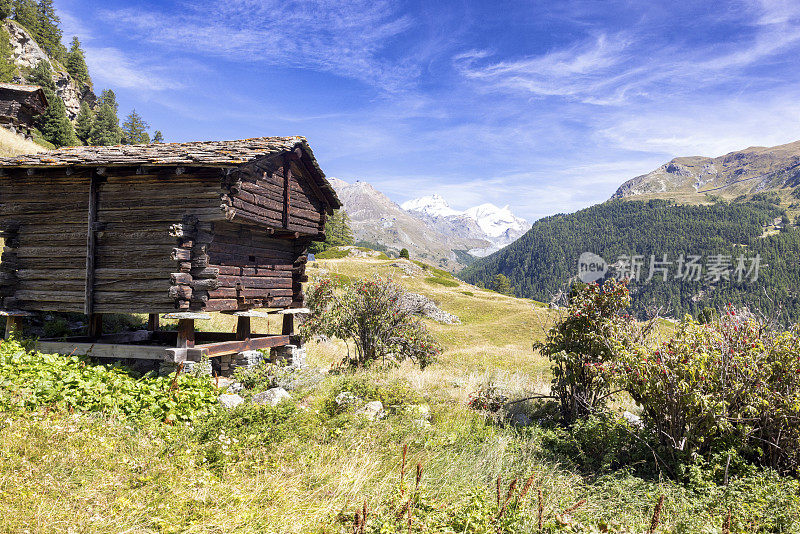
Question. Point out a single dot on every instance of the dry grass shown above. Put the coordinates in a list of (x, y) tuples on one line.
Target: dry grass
[(12, 144)]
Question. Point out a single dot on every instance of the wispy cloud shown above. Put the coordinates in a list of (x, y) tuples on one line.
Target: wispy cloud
[(615, 69), (345, 38), (112, 67)]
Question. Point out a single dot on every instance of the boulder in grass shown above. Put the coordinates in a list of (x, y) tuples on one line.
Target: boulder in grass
[(230, 400), (272, 396), (372, 410)]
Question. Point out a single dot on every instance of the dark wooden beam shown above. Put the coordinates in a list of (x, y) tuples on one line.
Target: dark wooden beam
[(95, 325), (91, 244), (152, 322), (288, 325), (287, 177), (242, 327), (185, 333), (301, 161)]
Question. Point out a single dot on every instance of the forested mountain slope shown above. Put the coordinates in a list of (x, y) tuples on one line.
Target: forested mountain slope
[(545, 260)]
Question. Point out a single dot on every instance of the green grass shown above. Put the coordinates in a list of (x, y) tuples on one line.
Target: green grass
[(447, 282), (306, 465)]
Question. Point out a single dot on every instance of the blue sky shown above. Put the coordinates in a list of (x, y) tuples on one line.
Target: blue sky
[(545, 105)]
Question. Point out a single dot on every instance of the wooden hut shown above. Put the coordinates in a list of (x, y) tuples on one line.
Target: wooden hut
[(178, 229), (19, 105)]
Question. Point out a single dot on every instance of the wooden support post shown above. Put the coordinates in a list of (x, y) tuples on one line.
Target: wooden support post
[(288, 325), (287, 177), (242, 328), (95, 329), (91, 244), (185, 333), (152, 322), (12, 323)]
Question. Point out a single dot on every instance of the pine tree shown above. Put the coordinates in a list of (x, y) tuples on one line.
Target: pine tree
[(134, 130), (404, 253), (76, 63), (501, 284), (6, 9), (26, 12), (84, 122), (109, 97), (42, 75), (7, 67), (158, 137), (337, 230), (54, 124), (50, 33), (105, 128)]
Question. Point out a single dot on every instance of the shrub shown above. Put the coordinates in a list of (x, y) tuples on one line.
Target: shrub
[(733, 383), (583, 347), (369, 313), (404, 253)]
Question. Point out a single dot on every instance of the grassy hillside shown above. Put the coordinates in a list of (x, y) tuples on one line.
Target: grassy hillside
[(302, 468), (545, 259)]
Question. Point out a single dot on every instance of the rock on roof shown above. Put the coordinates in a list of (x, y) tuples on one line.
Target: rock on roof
[(20, 87), (199, 154)]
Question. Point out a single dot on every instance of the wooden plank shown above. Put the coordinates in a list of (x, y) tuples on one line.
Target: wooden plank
[(152, 322), (103, 350), (91, 244), (233, 347)]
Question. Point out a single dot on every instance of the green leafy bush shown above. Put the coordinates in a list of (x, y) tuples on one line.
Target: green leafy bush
[(389, 392), (583, 347), (369, 313), (30, 380), (733, 383)]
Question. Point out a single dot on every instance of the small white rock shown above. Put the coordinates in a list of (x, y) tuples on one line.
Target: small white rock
[(372, 410), (272, 396), (230, 400)]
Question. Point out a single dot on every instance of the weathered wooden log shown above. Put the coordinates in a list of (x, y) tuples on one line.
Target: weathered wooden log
[(181, 254), (180, 292)]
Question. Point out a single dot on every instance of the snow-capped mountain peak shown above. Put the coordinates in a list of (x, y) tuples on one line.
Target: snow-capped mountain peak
[(497, 222), (433, 205)]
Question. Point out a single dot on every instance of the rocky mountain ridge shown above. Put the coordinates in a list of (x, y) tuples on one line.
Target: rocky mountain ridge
[(744, 172), (376, 220), (487, 222)]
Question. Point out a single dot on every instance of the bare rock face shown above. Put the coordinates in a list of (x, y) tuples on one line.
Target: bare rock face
[(27, 54)]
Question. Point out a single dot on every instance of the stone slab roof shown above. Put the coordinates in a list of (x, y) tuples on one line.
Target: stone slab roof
[(196, 154)]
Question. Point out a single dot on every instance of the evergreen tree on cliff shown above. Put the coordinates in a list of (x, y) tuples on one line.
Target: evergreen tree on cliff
[(105, 129), (40, 19), (56, 128), (42, 75), (76, 63), (6, 9), (134, 130), (7, 67), (84, 123)]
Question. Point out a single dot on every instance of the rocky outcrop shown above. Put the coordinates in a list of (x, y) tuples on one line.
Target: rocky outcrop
[(27, 54), (422, 305)]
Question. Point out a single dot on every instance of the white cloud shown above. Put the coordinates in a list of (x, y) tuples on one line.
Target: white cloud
[(344, 38), (615, 69), (112, 67)]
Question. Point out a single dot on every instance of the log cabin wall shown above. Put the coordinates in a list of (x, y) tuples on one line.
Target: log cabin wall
[(130, 229), (135, 244), (45, 223)]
